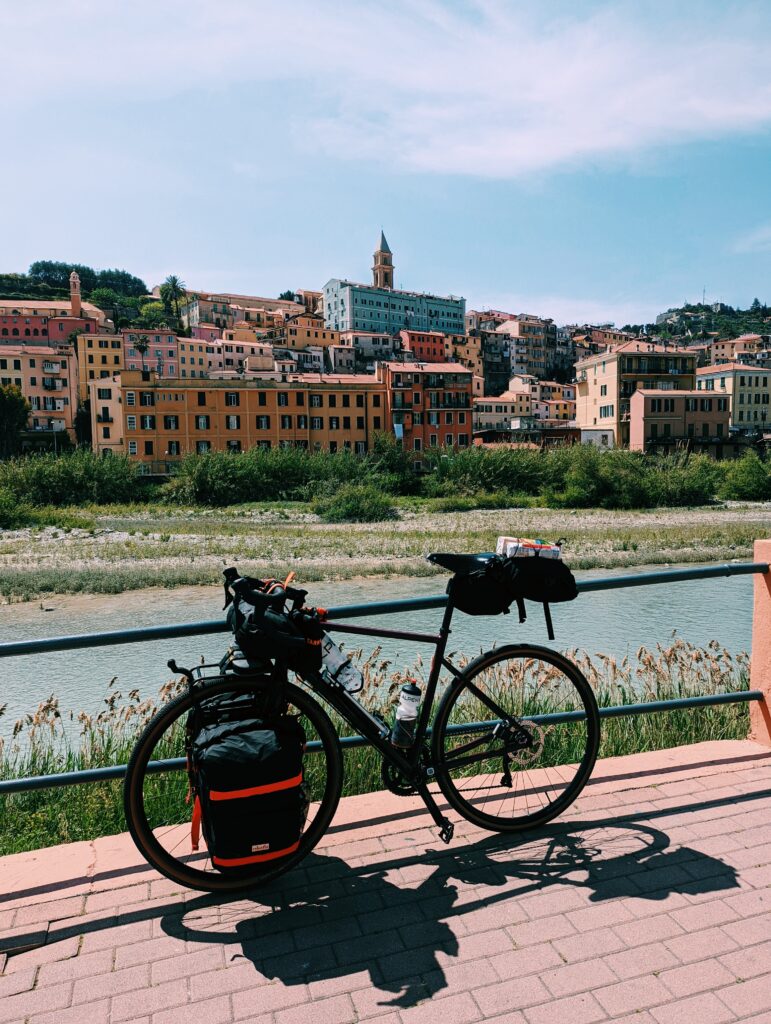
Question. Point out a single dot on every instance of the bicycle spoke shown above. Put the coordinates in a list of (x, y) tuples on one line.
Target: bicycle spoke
[(500, 787)]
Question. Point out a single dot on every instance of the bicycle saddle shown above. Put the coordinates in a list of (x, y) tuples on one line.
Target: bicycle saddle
[(461, 565)]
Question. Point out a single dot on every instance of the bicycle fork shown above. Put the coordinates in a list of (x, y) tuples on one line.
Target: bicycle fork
[(446, 827)]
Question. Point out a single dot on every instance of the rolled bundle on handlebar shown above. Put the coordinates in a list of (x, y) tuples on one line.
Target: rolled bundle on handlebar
[(262, 625)]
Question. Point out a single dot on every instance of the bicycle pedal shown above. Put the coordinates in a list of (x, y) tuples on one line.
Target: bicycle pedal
[(446, 832)]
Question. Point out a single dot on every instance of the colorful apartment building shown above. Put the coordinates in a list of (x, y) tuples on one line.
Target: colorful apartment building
[(427, 346), (156, 422), (748, 348), (605, 383), (662, 420), (224, 309), (467, 350), (48, 378), (302, 331), (232, 355), (747, 389), (99, 356), (499, 413), (206, 332), (429, 404), (533, 344), (161, 354)]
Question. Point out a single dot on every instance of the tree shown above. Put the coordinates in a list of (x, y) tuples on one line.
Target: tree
[(175, 289), (14, 413), (142, 344), (288, 294), (152, 315), (756, 306)]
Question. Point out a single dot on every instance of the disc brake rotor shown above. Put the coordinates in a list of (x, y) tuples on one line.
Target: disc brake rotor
[(526, 755)]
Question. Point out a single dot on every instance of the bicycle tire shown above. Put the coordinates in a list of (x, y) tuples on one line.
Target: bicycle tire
[(145, 832), (473, 794)]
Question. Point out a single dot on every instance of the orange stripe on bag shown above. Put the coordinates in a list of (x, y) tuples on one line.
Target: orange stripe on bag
[(195, 824), (271, 787), (237, 862)]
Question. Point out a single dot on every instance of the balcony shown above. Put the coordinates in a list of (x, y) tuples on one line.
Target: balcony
[(51, 367), (49, 384), (104, 419)]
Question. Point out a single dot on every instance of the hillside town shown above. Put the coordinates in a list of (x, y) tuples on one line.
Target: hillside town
[(332, 368)]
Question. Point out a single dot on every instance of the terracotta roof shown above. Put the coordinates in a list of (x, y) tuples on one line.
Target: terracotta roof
[(428, 367), (704, 371)]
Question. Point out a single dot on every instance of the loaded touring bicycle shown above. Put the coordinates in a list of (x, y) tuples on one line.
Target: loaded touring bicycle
[(236, 779)]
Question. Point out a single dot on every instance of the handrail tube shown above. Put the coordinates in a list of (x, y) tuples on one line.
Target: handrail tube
[(148, 633), (179, 763)]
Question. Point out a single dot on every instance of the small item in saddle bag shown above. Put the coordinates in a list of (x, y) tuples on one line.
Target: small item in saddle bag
[(524, 547)]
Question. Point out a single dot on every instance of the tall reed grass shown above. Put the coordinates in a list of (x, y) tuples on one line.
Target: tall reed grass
[(49, 741)]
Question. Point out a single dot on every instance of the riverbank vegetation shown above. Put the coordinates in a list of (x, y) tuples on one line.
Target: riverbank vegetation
[(44, 742), (580, 476), (79, 524)]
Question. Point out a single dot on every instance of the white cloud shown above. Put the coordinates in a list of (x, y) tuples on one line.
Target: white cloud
[(758, 240), (488, 88)]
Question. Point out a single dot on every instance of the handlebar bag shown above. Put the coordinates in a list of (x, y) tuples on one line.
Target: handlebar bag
[(246, 775), (264, 630)]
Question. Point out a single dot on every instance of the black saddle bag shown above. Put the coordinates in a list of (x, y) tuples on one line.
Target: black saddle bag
[(503, 581)]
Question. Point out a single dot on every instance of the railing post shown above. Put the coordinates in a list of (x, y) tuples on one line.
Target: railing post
[(760, 665)]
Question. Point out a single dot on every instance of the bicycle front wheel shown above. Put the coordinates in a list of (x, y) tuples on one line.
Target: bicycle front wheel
[(515, 738), (156, 799)]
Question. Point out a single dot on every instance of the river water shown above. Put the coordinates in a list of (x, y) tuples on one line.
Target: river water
[(614, 622)]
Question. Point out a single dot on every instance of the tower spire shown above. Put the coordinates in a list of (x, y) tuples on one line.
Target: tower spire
[(383, 268)]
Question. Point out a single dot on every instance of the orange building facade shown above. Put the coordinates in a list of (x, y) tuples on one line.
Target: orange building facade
[(429, 404), (157, 421)]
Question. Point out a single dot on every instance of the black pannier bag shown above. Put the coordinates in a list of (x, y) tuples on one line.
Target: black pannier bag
[(262, 627), (502, 581), (246, 775)]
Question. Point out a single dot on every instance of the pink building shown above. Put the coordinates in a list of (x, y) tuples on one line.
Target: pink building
[(48, 379), (206, 332), (23, 320), (664, 419), (162, 355)]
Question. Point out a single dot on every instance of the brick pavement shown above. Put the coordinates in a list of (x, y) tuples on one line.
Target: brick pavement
[(650, 902)]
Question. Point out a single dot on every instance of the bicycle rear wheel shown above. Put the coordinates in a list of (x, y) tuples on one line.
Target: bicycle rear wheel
[(156, 788), (515, 738)]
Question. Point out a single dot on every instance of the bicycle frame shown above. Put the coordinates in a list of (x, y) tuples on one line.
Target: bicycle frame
[(406, 760)]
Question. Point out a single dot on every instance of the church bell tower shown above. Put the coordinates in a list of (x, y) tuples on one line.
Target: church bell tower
[(383, 268), (75, 294)]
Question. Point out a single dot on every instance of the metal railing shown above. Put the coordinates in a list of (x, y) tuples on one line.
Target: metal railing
[(19, 648)]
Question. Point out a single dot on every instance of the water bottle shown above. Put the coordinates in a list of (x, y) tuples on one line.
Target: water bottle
[(336, 668), (406, 718)]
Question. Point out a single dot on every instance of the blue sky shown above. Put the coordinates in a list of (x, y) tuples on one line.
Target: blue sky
[(585, 161)]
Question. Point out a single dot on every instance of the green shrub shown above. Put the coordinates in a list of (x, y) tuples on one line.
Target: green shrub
[(75, 478), (685, 480), (355, 503), (13, 512), (746, 479)]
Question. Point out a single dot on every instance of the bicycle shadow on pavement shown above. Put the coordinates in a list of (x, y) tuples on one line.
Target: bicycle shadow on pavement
[(401, 920)]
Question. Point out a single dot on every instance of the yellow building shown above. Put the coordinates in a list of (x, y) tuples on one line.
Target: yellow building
[(99, 356), (747, 389), (303, 331), (606, 382), (497, 413)]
